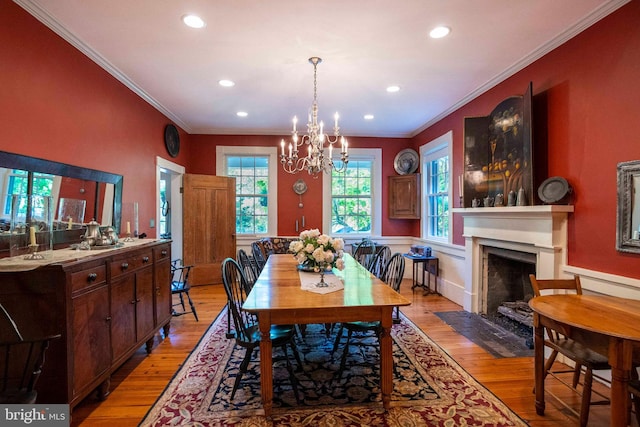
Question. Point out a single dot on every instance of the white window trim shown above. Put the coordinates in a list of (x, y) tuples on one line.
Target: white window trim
[(427, 151), (221, 154), (374, 154)]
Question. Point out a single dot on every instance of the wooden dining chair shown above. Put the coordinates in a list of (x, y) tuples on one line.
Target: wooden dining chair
[(585, 360), (392, 276), (247, 333), (21, 362), (259, 256), (365, 252), (249, 268), (379, 261), (180, 286)]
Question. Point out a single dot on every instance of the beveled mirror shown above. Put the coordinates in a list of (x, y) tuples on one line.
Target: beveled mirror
[(628, 227)]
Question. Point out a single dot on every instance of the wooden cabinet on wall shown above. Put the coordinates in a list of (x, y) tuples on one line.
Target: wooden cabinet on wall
[(404, 196), (106, 304)]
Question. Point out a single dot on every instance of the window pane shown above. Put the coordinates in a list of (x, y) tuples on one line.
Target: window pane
[(252, 192), (351, 198)]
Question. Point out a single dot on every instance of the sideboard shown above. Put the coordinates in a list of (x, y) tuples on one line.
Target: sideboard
[(104, 303)]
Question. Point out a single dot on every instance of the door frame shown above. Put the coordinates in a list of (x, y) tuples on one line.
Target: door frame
[(176, 172)]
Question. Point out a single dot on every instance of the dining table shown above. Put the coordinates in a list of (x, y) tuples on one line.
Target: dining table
[(607, 324), (280, 297)]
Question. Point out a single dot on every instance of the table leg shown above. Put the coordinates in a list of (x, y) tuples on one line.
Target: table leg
[(266, 363), (620, 359), (538, 341), (386, 357)]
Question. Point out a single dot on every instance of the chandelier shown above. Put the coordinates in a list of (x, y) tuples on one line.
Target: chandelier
[(314, 160)]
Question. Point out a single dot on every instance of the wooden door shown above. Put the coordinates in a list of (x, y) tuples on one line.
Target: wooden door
[(209, 225)]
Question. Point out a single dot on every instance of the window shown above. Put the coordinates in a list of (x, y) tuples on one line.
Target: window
[(255, 171), (436, 167), (355, 205), (351, 198), (17, 181)]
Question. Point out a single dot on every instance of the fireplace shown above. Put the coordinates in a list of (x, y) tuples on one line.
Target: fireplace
[(505, 283), (536, 235)]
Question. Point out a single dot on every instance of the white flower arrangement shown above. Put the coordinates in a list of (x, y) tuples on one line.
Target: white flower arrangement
[(318, 251)]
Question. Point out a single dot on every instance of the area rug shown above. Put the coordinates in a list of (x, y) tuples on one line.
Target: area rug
[(498, 341), (430, 388)]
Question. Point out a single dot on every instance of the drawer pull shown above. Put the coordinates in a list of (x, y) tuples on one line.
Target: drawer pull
[(125, 265), (91, 277), (133, 301), (108, 319), (164, 252), (145, 259)]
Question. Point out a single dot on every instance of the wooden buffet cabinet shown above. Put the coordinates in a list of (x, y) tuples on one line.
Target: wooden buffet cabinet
[(106, 304)]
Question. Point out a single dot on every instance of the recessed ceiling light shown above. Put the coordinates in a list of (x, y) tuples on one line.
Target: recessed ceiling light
[(368, 116), (226, 83), (242, 114), (439, 32), (393, 88), (193, 21)]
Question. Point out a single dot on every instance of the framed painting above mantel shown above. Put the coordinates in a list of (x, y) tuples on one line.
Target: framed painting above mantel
[(498, 154)]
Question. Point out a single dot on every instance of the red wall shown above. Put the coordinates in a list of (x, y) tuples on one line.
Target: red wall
[(203, 161), (57, 104), (587, 95)]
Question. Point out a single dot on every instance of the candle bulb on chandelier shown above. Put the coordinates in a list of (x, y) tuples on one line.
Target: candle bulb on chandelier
[(290, 148), (330, 151), (321, 129), (336, 116), (295, 120), (282, 146)]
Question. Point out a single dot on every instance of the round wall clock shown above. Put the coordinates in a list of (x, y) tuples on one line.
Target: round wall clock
[(172, 140)]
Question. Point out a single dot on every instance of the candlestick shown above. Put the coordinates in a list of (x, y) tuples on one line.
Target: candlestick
[(128, 227), (32, 236)]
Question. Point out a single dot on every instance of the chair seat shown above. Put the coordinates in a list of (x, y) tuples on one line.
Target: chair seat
[(580, 354), (362, 326), (177, 287), (278, 333)]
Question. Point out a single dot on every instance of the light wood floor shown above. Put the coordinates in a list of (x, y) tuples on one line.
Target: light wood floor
[(137, 384)]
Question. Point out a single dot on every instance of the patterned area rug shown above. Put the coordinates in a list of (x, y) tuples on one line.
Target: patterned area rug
[(430, 389)]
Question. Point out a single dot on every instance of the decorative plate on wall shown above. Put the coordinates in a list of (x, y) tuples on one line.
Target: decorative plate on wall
[(172, 140), (406, 161)]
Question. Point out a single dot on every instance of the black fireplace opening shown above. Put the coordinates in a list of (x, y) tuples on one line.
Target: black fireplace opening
[(507, 290)]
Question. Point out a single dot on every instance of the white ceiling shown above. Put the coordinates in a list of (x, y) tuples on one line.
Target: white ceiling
[(264, 45)]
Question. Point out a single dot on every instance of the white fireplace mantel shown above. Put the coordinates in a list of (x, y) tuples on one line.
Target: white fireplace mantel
[(541, 230)]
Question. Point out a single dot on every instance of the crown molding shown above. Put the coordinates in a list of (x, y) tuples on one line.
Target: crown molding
[(598, 14), (48, 20)]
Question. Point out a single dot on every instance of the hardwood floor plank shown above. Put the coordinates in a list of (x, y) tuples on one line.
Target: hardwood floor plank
[(138, 383)]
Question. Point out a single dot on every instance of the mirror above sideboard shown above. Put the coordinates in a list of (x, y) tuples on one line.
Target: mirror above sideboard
[(628, 227), (100, 192)]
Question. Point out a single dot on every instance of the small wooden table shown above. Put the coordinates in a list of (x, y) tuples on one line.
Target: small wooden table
[(609, 325), (429, 266), (277, 299)]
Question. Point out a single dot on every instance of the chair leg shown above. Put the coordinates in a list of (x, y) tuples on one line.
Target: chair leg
[(243, 368), (576, 375), (345, 352), (296, 354), (336, 343), (193, 308), (586, 398), (182, 301), (292, 375)]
